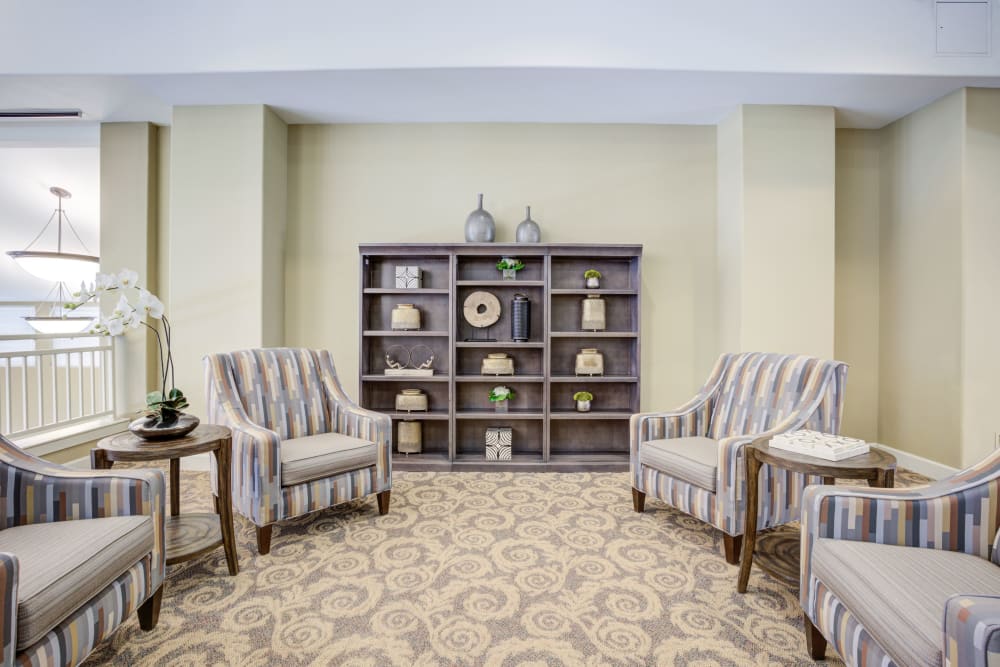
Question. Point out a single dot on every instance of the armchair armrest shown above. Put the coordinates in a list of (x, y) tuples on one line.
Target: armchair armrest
[(256, 454), (971, 630), (351, 419), (9, 570)]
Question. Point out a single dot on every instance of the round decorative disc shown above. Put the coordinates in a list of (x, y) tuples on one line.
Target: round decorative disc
[(482, 309)]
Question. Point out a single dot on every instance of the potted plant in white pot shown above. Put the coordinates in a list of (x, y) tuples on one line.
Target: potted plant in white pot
[(509, 266), (164, 416), (583, 399), (592, 278), (500, 396)]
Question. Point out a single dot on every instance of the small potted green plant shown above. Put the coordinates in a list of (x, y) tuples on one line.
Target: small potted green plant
[(509, 266), (583, 399), (499, 396), (593, 278)]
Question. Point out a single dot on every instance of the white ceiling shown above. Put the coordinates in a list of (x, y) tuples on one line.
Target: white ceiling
[(641, 61)]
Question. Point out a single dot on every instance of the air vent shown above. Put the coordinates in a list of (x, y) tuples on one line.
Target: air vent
[(22, 114)]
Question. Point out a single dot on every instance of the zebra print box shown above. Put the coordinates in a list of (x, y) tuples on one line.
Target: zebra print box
[(499, 443)]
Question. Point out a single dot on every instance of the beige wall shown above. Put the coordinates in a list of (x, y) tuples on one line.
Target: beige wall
[(653, 185), (776, 229), (129, 211), (920, 374), (980, 275), (857, 302), (219, 244)]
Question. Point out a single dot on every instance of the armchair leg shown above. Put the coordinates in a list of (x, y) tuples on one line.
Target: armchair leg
[(815, 641), (733, 544), (383, 502), (264, 539), (638, 499), (149, 611)]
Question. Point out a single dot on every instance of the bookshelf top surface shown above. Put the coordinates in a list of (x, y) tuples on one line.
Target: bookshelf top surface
[(525, 249)]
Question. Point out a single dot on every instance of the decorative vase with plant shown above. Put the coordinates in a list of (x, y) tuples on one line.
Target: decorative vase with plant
[(583, 399), (509, 266), (593, 278), (499, 396), (164, 415)]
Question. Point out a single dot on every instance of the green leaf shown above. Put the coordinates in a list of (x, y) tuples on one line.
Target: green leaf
[(153, 397), (175, 393)]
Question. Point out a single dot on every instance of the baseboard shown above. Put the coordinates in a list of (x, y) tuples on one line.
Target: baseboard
[(919, 464), (196, 463)]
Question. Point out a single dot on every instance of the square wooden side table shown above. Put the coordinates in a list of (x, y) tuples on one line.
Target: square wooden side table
[(187, 535)]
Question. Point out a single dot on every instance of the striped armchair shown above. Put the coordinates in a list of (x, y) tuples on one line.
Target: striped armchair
[(79, 552), (901, 577), (692, 458), (299, 443)]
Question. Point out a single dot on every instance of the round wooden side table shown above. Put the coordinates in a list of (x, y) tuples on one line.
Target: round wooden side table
[(877, 467), (187, 535)]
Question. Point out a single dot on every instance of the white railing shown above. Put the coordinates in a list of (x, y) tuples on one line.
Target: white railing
[(53, 381)]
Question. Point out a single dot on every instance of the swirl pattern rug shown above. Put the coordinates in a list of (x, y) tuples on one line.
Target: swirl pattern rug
[(472, 569)]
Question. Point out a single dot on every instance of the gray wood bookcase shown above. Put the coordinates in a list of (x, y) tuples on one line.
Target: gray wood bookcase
[(548, 433)]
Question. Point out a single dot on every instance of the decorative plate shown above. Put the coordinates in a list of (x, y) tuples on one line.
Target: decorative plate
[(482, 309)]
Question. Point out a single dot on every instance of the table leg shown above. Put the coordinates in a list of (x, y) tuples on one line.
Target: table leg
[(225, 504), (750, 522), (885, 478), (99, 459), (175, 487)]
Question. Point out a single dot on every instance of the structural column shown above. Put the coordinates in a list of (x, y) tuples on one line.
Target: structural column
[(226, 239), (129, 204), (775, 244)]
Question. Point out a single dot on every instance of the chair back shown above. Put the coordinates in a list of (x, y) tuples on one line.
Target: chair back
[(758, 390), (280, 388)]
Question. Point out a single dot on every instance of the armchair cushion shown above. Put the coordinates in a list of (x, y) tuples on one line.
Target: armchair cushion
[(899, 593), (55, 582), (694, 460), (317, 456)]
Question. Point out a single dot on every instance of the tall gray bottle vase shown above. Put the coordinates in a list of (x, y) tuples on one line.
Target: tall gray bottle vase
[(528, 231), (479, 226)]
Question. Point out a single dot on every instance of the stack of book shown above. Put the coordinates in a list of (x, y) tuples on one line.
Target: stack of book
[(821, 445)]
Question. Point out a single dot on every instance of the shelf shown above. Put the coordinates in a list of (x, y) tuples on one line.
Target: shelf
[(594, 458), (516, 459), (600, 292), (593, 414), (430, 415), (594, 334), (422, 461), (437, 377), (498, 344), (500, 283), (515, 413), (499, 378), (401, 290), (383, 333), (594, 378)]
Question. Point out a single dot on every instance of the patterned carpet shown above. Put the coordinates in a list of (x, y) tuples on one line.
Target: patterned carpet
[(472, 569)]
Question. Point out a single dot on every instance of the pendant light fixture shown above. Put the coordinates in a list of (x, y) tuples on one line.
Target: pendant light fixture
[(57, 322), (58, 266)]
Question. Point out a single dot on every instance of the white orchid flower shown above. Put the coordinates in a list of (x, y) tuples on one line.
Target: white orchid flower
[(105, 282), (115, 326), (127, 278), (149, 305), (122, 308)]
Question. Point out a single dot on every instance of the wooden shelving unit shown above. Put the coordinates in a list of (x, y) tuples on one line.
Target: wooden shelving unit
[(548, 433)]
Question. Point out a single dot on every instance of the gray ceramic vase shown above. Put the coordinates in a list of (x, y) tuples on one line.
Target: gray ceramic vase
[(479, 226), (528, 231)]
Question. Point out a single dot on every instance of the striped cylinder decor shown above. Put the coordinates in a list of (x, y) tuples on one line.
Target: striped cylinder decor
[(747, 396), (269, 395)]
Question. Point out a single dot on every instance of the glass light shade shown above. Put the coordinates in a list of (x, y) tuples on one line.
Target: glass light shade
[(58, 267), (59, 325)]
